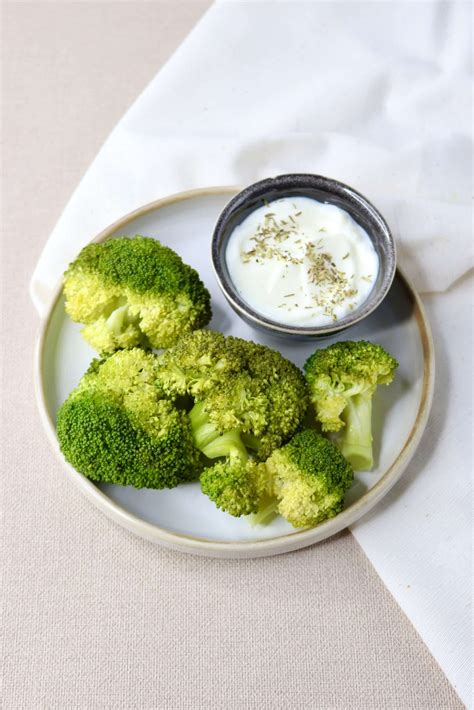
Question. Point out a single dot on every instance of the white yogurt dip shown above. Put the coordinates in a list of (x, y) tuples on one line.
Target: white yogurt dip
[(301, 262)]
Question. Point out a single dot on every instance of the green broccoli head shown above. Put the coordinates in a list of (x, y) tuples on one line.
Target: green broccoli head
[(115, 428), (310, 477), (248, 400), (198, 363), (235, 485), (238, 385), (342, 380), (134, 291)]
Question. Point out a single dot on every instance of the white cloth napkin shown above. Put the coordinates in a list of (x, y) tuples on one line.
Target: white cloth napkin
[(378, 96)]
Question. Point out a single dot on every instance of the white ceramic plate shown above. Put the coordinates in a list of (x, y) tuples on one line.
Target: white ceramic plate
[(183, 518)]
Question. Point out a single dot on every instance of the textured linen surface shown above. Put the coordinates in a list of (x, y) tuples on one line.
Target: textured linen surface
[(92, 616)]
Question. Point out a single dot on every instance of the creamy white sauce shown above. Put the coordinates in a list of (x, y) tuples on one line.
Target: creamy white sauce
[(301, 262)]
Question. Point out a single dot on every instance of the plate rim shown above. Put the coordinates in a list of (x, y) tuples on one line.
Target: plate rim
[(243, 549)]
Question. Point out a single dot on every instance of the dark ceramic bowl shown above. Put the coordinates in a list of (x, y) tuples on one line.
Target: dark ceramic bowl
[(322, 189)]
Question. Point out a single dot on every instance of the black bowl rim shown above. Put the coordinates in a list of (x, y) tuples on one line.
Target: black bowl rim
[(285, 181)]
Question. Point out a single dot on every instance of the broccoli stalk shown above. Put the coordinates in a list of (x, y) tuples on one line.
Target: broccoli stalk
[(227, 444), (356, 444), (342, 380), (268, 510), (120, 318), (210, 441)]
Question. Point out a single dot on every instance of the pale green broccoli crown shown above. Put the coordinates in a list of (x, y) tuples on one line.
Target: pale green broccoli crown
[(239, 403), (134, 291), (284, 386), (234, 485), (198, 363), (114, 427), (342, 380), (310, 477), (343, 370), (239, 385)]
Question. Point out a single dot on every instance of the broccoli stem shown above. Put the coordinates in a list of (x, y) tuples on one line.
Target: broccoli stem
[(204, 435), (356, 440), (250, 441), (198, 415), (210, 441), (268, 510), (228, 444), (119, 319), (203, 430)]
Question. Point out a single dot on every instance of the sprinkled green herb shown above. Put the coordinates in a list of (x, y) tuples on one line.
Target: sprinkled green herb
[(331, 286)]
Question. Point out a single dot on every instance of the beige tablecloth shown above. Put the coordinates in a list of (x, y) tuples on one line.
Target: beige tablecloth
[(94, 617)]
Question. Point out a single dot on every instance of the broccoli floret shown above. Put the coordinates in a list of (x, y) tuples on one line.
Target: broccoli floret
[(235, 485), (115, 428), (199, 362), (342, 380), (134, 291), (309, 477), (238, 385), (248, 400)]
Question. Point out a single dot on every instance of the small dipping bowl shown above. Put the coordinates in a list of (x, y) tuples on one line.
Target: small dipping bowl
[(322, 189)]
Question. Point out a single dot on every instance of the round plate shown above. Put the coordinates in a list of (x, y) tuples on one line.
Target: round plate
[(183, 518)]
